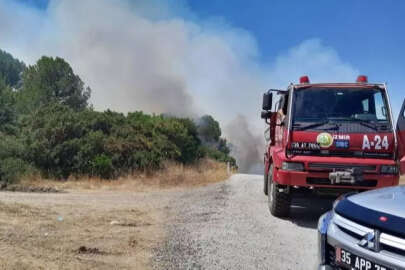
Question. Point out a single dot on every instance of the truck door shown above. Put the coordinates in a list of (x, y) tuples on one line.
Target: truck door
[(401, 137)]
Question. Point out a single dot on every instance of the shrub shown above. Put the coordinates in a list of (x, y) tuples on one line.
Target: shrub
[(46, 123), (11, 169), (61, 142), (218, 155), (102, 166)]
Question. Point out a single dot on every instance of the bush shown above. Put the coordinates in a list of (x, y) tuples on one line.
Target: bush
[(218, 155), (12, 159), (61, 141), (11, 169), (208, 129), (46, 123), (102, 166)]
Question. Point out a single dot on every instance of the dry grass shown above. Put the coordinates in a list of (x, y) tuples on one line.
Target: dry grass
[(73, 235), (98, 224), (172, 176)]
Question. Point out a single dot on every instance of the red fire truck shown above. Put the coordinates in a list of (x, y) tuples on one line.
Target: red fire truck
[(328, 139)]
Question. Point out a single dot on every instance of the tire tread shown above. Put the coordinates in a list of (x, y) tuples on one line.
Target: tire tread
[(280, 207)]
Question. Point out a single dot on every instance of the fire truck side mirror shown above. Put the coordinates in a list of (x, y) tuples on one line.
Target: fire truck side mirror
[(266, 114), (267, 101)]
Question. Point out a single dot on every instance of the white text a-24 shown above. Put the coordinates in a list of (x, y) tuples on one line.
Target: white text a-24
[(377, 143)]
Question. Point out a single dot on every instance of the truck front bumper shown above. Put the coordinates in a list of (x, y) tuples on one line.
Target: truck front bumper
[(319, 177)]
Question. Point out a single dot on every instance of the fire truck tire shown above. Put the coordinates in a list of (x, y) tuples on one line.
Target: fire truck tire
[(265, 182), (279, 202)]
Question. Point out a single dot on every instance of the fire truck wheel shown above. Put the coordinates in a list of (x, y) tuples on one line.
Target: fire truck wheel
[(279, 202), (265, 188)]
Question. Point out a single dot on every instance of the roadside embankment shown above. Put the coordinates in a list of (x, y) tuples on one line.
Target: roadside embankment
[(172, 175)]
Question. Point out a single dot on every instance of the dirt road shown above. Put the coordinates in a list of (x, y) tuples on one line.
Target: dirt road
[(220, 226), (228, 226)]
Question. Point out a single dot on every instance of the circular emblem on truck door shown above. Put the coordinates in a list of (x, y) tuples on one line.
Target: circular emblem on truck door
[(325, 140)]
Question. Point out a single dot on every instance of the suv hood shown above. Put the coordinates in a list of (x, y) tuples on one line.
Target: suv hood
[(388, 200), (369, 207)]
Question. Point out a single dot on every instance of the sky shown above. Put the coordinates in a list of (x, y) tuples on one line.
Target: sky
[(192, 57), (367, 34)]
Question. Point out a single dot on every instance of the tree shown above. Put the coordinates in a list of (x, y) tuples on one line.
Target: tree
[(52, 80), (223, 146), (10, 69), (7, 108), (208, 129)]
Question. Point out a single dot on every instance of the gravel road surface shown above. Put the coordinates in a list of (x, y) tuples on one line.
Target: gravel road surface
[(228, 226)]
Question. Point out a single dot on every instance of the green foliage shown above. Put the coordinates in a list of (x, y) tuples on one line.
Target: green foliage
[(47, 126), (209, 129), (11, 169), (214, 146), (13, 164), (102, 166), (8, 113), (218, 155), (10, 69), (63, 142), (223, 146), (52, 80), (183, 133)]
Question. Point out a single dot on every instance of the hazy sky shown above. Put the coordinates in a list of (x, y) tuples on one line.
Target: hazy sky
[(366, 34)]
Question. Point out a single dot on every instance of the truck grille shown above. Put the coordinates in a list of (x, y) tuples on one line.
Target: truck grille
[(387, 242), (326, 181), (334, 153), (338, 166)]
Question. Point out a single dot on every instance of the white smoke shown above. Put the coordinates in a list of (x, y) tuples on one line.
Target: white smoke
[(160, 58)]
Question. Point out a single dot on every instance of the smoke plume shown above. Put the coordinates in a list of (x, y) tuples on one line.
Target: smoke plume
[(159, 57), (247, 146)]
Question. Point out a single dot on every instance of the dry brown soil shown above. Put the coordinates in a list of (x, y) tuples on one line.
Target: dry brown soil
[(93, 224), (79, 230)]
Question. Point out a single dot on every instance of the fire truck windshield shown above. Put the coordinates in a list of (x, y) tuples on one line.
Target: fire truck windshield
[(366, 107)]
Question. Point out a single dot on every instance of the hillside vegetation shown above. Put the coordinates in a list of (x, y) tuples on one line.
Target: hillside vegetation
[(49, 128)]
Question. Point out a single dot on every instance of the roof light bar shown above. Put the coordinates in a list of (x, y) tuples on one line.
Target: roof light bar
[(304, 79), (362, 79)]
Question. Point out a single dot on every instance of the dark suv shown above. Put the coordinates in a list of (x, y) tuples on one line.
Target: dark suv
[(364, 231)]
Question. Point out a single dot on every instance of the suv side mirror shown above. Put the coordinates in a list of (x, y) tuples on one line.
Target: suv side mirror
[(267, 101)]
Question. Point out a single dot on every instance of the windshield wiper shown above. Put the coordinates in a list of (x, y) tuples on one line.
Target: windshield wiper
[(373, 125), (365, 123), (315, 125)]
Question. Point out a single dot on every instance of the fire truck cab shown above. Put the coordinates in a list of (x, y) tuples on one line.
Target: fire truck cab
[(328, 139)]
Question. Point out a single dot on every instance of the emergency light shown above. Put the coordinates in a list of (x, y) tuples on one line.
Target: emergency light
[(362, 79), (304, 79)]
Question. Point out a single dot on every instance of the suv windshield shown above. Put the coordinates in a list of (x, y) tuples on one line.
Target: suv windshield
[(334, 105)]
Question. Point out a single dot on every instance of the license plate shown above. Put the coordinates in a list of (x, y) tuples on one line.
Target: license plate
[(352, 261)]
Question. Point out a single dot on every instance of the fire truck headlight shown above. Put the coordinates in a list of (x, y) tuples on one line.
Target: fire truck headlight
[(389, 169), (293, 166)]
